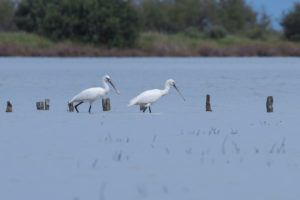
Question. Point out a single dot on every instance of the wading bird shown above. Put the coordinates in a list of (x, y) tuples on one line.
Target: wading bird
[(92, 94), (149, 97)]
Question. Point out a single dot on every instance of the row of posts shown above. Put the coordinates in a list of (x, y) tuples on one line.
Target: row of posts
[(269, 104), (40, 105), (45, 105), (105, 105)]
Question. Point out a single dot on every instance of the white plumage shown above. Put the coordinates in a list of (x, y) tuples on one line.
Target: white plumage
[(149, 97), (89, 95), (92, 94)]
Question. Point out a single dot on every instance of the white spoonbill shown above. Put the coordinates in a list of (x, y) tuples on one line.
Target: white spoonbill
[(149, 97), (92, 94)]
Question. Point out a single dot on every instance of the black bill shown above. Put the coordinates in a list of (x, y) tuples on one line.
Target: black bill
[(179, 92), (117, 91)]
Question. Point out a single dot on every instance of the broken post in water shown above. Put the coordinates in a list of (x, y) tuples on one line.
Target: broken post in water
[(9, 107), (40, 105), (106, 104), (71, 107), (208, 108), (269, 104), (47, 104), (142, 107)]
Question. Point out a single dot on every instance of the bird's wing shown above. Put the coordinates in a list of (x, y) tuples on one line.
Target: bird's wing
[(149, 96), (133, 101), (87, 95)]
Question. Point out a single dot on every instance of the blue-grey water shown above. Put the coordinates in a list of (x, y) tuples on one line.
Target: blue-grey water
[(238, 151), (228, 80)]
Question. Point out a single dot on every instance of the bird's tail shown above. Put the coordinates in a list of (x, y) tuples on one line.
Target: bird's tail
[(72, 100), (132, 102)]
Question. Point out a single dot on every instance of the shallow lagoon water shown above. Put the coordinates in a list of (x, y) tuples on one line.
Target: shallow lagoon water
[(179, 152)]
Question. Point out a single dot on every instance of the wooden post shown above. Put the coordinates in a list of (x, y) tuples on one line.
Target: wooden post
[(208, 108), (71, 107), (47, 104), (40, 105), (269, 104), (9, 107), (106, 104), (142, 107)]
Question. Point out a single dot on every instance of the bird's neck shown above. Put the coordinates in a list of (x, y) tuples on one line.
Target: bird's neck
[(106, 87), (166, 90)]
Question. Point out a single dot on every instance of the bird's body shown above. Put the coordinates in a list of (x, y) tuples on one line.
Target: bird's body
[(92, 94), (149, 97)]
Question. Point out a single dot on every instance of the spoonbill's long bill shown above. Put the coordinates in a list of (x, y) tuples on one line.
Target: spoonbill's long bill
[(92, 94), (149, 97)]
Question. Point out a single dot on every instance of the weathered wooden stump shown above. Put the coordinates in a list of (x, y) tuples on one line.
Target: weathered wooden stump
[(106, 104), (208, 108), (40, 105), (142, 107), (47, 104), (9, 107), (71, 107), (269, 104)]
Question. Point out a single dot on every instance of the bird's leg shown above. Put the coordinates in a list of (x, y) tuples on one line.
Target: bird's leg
[(90, 108), (78, 105), (149, 109), (145, 109)]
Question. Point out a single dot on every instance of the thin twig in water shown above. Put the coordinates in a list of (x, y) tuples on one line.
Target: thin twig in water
[(256, 150), (223, 145), (282, 146), (142, 191), (213, 131), (188, 151), (272, 148), (154, 138), (95, 163), (237, 149), (108, 138), (234, 132), (167, 150), (120, 156), (165, 189)]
